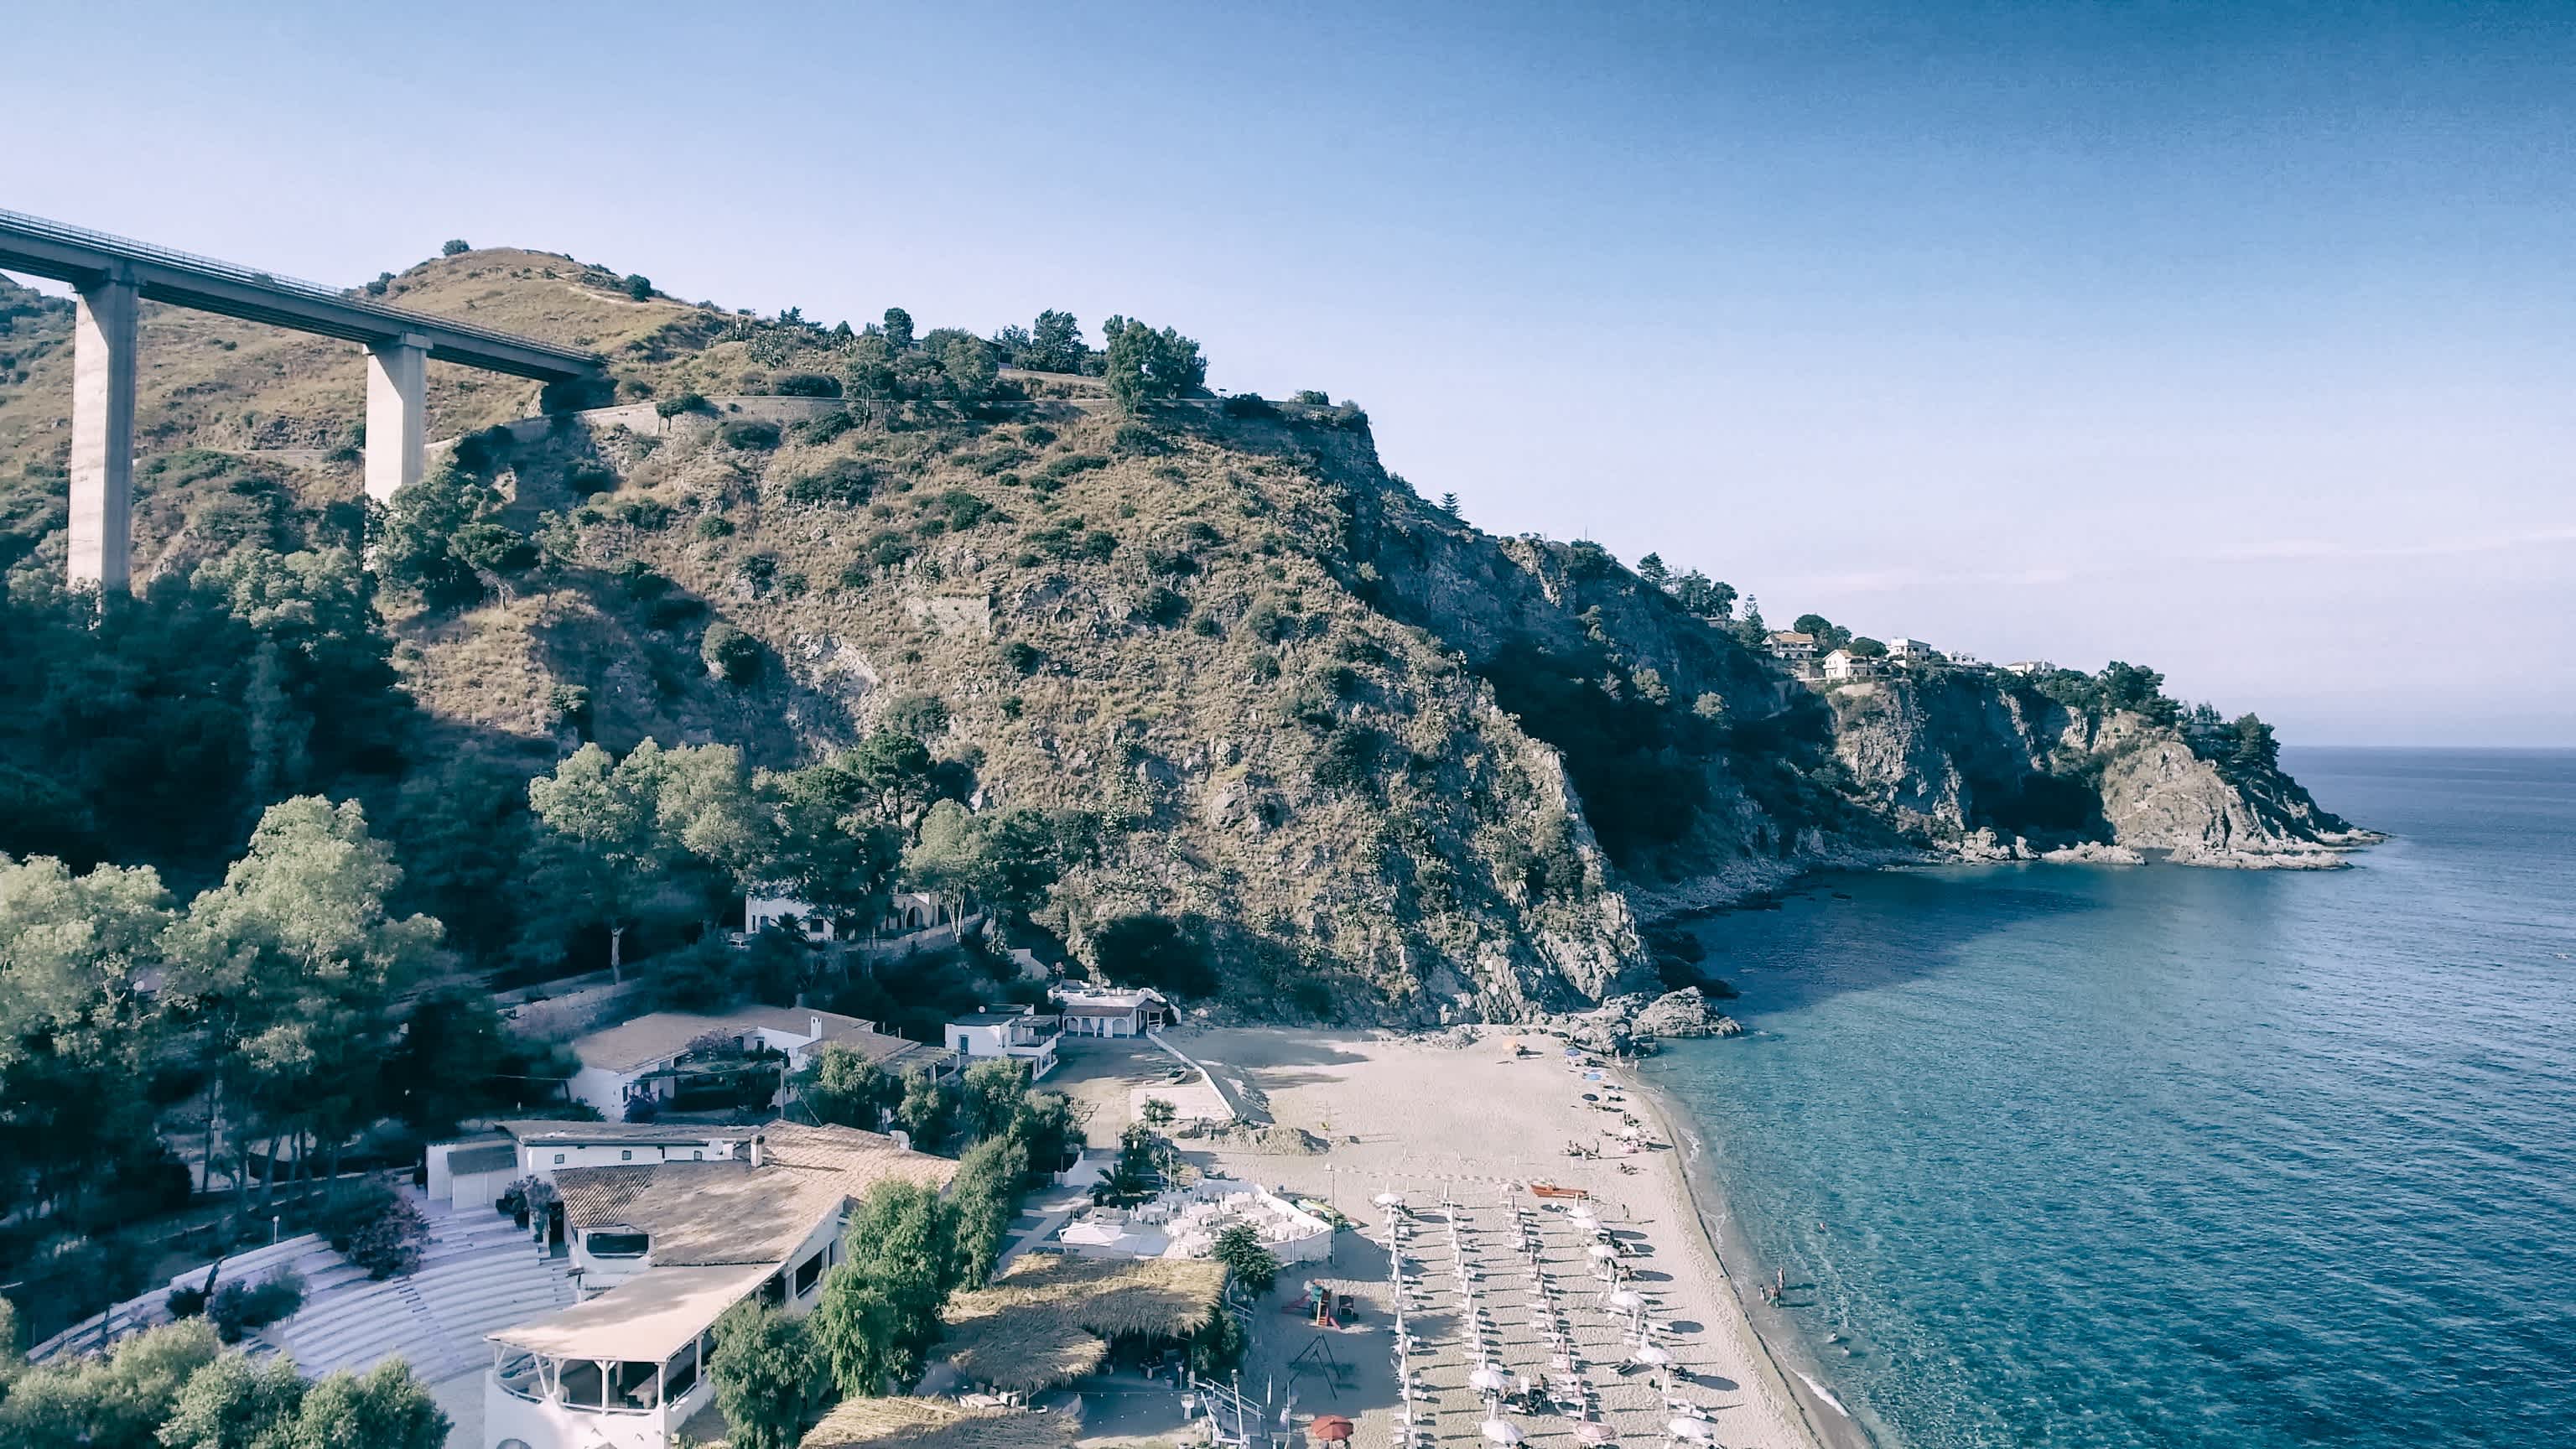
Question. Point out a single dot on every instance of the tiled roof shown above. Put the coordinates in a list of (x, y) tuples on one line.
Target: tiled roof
[(624, 1133), (659, 1035)]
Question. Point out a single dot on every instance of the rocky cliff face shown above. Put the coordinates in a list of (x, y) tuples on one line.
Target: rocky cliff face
[(1383, 764)]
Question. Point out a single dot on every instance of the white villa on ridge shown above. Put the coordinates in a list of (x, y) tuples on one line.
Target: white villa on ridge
[(662, 1249), (1017, 1032), (655, 1057), (1910, 651), (1844, 664)]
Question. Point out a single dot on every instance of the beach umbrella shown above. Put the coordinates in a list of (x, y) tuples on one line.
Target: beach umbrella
[(1593, 1433), (1651, 1355), (1388, 1199), (1331, 1428), (1500, 1432), (1626, 1300), (1489, 1379), (1698, 1431), (1603, 1251)]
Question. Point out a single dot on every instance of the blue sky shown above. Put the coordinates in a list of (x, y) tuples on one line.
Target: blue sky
[(2237, 339)]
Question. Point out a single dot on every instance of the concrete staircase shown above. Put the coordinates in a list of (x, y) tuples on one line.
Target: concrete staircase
[(479, 1273)]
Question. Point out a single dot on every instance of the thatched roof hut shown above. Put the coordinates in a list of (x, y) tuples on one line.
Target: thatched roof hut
[(930, 1424), (1053, 1318)]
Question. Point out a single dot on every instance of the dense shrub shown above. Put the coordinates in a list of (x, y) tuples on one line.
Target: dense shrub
[(1151, 950), (639, 287), (964, 510), (687, 402), (239, 1309), (585, 479), (731, 654), (750, 435), (1071, 464), (380, 1232), (1249, 405), (1022, 657), (648, 514), (806, 384), (455, 246), (843, 480), (714, 526)]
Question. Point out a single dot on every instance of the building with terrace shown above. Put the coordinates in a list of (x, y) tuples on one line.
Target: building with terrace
[(660, 1250), (1113, 1013), (1016, 1032), (685, 1060)]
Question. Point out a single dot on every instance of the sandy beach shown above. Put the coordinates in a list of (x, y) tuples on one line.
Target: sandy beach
[(1460, 1133)]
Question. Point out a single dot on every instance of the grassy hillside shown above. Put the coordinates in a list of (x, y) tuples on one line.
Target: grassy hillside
[(1376, 762)]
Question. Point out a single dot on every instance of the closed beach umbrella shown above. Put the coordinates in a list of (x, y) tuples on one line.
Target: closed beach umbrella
[(1500, 1432)]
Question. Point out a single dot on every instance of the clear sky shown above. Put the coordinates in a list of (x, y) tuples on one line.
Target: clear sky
[(2234, 338)]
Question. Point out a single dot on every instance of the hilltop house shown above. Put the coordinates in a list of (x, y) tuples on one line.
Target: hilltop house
[(663, 1249), (1113, 1013), (1843, 664), (1017, 1032), (2029, 667), (906, 912), (672, 1058), (1910, 651), (1793, 646)]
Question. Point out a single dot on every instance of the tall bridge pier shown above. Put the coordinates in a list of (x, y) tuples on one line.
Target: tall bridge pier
[(113, 276)]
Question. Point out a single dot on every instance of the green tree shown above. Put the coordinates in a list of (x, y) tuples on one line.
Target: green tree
[(927, 1111), (383, 1408), (950, 860), (73, 1026), (841, 1086), (968, 361), (660, 833), (116, 1402), (991, 1094), (1052, 344), (639, 287), (2255, 750), (1246, 1259), (880, 1308), (1651, 569), (233, 1403), (985, 1196), (1159, 1114), (768, 1376), (898, 328), (289, 971), (1146, 366), (2135, 687)]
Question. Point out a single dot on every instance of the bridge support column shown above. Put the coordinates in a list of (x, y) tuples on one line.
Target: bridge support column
[(397, 415), (102, 463)]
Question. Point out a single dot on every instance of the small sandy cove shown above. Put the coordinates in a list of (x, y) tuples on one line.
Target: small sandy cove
[(1460, 1132)]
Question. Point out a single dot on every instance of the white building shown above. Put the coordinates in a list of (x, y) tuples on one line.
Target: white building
[(2028, 667), (1792, 646), (475, 1172), (660, 1056), (1113, 1013), (1017, 1032), (1844, 664), (677, 1244), (786, 913), (1184, 1223), (1910, 651)]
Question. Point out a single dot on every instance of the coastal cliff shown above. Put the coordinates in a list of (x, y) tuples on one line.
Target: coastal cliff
[(1375, 763)]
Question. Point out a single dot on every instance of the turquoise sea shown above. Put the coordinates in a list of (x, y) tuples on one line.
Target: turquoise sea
[(2085, 1156)]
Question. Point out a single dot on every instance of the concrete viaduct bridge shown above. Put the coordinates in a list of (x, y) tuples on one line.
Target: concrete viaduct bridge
[(112, 276)]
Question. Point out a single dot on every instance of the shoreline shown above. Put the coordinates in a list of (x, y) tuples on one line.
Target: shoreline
[(1478, 1123), (1826, 1414)]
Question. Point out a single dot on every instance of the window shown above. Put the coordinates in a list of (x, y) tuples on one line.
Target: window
[(617, 1245), (808, 1273), (559, 1157), (698, 1155), (626, 1154)]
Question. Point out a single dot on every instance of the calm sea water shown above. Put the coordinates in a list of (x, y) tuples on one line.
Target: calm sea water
[(2154, 1157)]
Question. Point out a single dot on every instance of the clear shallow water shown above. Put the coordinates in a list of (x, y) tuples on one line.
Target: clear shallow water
[(2099, 1157)]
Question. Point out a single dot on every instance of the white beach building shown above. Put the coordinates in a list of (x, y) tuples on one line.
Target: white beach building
[(1843, 664), (1017, 1032), (1112, 1013), (676, 1244)]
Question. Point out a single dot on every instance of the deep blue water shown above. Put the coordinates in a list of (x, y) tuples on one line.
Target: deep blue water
[(2167, 1157)]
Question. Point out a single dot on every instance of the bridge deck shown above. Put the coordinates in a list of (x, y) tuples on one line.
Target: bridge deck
[(82, 257)]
